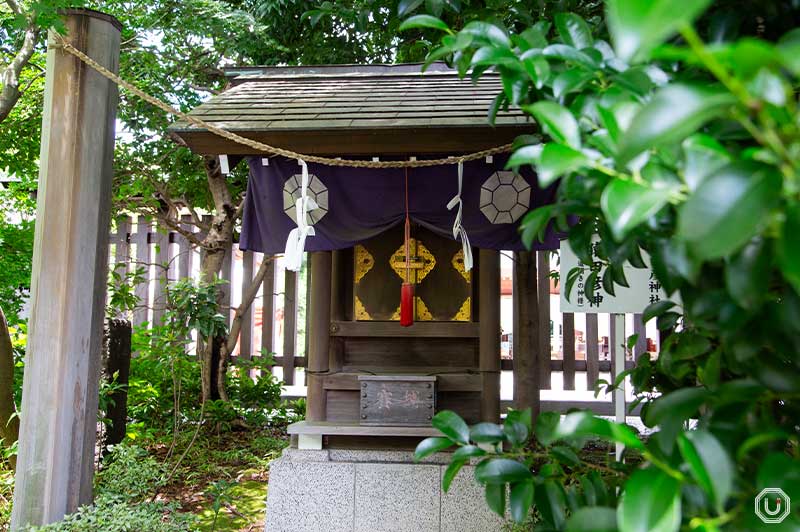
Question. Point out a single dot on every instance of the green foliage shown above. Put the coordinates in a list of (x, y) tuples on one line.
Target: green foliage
[(16, 257), (129, 473), (686, 154), (114, 515), (220, 494), (127, 479), (121, 289)]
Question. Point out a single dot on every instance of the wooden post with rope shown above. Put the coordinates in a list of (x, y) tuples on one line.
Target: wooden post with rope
[(70, 259)]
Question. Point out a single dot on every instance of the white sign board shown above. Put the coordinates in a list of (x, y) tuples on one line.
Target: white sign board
[(644, 287)]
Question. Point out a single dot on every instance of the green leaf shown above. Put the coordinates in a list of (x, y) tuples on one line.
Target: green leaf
[(557, 121), (537, 67), (451, 425), (488, 33), (549, 497), (429, 446), (570, 55), (534, 37), (500, 471), (703, 156), (486, 433), (546, 425), (678, 405), (627, 204), (435, 6), (635, 80), (570, 81), (450, 473), (525, 155), (779, 470), (728, 208), (593, 519), (515, 84), (637, 26), (582, 424), (494, 55), (534, 224), (521, 500), (788, 248), (770, 87), (468, 451), (749, 55), (675, 112), (789, 49), (557, 160), (747, 273), (651, 503), (407, 6), (709, 464), (565, 455), (573, 30), (496, 498), (424, 21), (516, 431)]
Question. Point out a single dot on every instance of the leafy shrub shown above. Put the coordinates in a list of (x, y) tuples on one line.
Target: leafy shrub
[(129, 473), (251, 384), (687, 153), (111, 514), (128, 478)]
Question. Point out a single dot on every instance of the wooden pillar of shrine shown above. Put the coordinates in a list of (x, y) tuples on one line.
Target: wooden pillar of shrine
[(319, 333), (489, 331), (526, 333), (70, 268)]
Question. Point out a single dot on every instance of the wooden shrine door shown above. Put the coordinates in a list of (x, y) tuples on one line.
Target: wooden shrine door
[(443, 289)]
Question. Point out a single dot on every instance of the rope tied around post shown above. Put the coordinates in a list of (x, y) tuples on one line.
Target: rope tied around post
[(61, 43)]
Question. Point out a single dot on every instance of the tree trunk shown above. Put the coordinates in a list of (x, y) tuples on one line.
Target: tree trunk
[(215, 245), (9, 422), (118, 361)]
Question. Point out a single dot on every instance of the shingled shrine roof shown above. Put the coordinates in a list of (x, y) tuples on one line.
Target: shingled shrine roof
[(351, 110)]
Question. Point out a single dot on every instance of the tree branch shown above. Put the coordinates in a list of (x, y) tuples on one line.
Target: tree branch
[(14, 7), (188, 235), (248, 296), (195, 217), (10, 76)]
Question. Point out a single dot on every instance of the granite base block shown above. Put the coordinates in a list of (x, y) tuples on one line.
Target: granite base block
[(365, 491)]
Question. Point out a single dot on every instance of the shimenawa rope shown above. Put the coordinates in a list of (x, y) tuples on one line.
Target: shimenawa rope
[(260, 146)]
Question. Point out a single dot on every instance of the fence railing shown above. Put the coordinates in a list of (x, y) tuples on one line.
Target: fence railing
[(579, 344)]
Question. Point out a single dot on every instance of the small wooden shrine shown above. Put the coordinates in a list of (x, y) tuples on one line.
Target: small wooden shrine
[(372, 384)]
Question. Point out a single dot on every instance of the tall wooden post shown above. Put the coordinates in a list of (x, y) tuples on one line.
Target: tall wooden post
[(70, 260), (526, 333), (318, 332), (489, 330)]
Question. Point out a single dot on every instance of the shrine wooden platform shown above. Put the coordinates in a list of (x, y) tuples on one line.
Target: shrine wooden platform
[(310, 433)]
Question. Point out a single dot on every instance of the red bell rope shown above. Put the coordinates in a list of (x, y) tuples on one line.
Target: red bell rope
[(407, 236), (407, 289)]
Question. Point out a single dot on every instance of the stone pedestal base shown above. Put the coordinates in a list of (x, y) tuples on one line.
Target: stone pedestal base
[(372, 491)]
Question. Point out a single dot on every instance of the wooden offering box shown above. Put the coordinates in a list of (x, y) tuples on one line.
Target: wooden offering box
[(397, 400)]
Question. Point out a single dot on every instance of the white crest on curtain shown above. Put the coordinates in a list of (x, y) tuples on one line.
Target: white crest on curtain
[(296, 243), (505, 197), (458, 230)]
